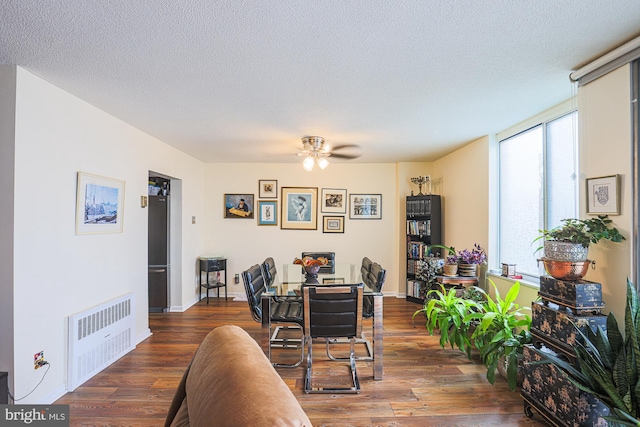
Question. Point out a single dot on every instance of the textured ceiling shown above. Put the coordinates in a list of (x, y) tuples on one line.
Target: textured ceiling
[(244, 80)]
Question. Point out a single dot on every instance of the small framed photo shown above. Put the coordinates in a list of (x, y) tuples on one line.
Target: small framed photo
[(365, 206), (99, 204), (238, 206), (333, 280), (333, 224), (333, 200), (267, 212), (603, 195), (268, 189), (299, 208)]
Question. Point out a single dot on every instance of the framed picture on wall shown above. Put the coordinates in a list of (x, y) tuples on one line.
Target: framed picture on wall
[(333, 224), (238, 206), (603, 195), (333, 200), (365, 206), (299, 208), (268, 188), (267, 212), (99, 204)]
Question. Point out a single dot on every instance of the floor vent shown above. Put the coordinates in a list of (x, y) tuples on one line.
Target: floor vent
[(98, 337)]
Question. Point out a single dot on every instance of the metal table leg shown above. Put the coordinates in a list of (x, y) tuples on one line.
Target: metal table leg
[(377, 337), (266, 325)]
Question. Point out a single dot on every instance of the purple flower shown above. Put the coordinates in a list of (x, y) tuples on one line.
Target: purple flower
[(475, 256)]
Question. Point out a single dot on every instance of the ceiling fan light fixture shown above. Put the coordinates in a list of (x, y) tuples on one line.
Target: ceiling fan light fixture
[(308, 163), (322, 162)]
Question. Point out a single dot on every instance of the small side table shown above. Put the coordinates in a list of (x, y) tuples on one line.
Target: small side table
[(211, 265)]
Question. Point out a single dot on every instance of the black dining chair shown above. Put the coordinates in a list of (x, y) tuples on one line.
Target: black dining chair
[(331, 312), (284, 311), (374, 278), (330, 268)]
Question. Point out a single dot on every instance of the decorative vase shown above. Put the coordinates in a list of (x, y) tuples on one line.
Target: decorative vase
[(562, 251), (450, 270), (468, 270)]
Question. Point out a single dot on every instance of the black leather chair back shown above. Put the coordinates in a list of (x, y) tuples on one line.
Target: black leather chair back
[(377, 275), (269, 271), (254, 288), (333, 311), (330, 268), (365, 268)]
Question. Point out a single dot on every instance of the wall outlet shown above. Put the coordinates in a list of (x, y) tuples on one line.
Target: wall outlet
[(38, 360), (236, 279)]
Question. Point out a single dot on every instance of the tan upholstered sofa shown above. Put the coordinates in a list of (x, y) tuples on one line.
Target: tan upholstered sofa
[(230, 382)]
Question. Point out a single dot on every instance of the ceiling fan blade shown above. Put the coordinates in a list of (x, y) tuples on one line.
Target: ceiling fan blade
[(340, 147), (344, 156)]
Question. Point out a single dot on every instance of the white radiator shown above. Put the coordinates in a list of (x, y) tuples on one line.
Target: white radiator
[(98, 337)]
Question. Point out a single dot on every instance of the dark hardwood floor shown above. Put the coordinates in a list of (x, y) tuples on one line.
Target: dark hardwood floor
[(423, 384)]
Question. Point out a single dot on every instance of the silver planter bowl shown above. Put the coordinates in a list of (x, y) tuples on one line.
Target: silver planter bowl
[(561, 251)]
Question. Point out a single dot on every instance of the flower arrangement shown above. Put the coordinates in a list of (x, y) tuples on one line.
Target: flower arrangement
[(451, 259), (477, 255), (427, 269)]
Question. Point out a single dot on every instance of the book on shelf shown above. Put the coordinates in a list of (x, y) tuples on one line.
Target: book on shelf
[(419, 227)]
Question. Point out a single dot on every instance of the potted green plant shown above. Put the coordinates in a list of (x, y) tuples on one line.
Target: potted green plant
[(570, 241), (609, 364), (447, 311), (469, 260), (502, 332)]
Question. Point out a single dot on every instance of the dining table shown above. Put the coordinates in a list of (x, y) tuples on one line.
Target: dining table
[(289, 282)]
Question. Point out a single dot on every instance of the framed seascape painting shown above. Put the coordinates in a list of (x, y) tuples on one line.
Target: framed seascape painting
[(268, 188), (603, 195), (365, 206), (333, 200), (267, 212), (238, 206), (333, 224), (299, 208), (99, 204)]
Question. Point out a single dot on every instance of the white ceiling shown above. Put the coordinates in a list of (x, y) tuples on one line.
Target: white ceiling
[(244, 80)]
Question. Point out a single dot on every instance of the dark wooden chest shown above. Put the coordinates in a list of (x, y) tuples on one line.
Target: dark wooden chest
[(553, 325), (547, 389), (579, 295)]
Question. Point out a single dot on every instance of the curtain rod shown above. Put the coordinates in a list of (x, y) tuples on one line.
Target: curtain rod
[(605, 59)]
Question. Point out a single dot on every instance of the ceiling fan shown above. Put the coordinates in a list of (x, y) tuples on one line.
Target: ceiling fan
[(315, 151)]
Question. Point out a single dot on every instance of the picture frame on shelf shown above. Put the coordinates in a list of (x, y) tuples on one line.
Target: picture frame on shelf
[(267, 212), (99, 204), (603, 195), (365, 206), (238, 206), (299, 208), (333, 200), (333, 224), (268, 188)]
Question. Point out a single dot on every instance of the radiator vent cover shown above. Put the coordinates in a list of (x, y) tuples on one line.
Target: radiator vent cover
[(98, 337)]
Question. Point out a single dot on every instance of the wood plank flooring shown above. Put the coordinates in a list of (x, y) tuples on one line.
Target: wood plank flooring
[(423, 384)]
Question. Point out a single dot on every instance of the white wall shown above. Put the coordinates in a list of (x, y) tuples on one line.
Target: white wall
[(244, 243), (7, 151), (604, 114), (58, 273), (462, 178)]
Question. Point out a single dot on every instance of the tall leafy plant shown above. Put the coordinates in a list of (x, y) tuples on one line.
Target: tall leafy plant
[(502, 332), (447, 312), (609, 364)]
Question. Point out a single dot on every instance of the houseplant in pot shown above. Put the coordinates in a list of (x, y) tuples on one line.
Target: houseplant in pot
[(447, 311), (469, 260), (502, 333), (566, 247), (570, 241)]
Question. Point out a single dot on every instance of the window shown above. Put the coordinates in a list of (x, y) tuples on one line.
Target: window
[(538, 188)]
